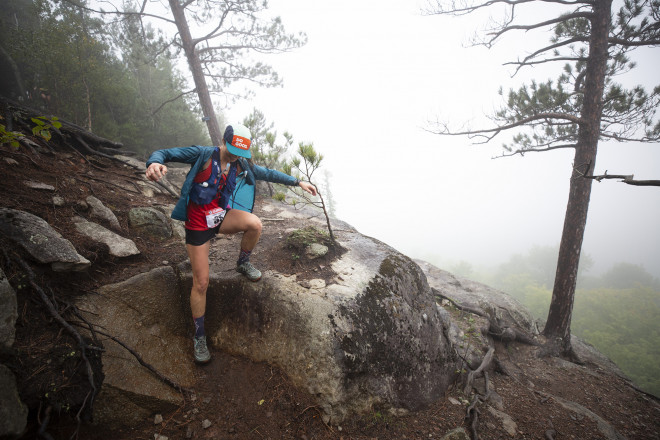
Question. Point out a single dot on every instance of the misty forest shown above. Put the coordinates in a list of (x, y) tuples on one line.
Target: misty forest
[(109, 69)]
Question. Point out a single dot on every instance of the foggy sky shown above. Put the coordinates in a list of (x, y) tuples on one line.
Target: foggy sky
[(365, 86)]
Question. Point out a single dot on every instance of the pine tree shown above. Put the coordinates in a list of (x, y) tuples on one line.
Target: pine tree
[(581, 107)]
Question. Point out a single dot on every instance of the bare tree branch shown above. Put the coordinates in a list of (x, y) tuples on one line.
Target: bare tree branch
[(496, 130), (172, 100), (549, 60), (559, 19), (535, 150), (629, 179)]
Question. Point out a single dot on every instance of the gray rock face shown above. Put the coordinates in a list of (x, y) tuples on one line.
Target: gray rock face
[(374, 337), (117, 245), (42, 242), (495, 303), (102, 212), (145, 312), (13, 413), (150, 221), (8, 312), (468, 332)]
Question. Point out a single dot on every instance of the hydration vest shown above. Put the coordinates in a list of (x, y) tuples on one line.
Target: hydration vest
[(203, 193)]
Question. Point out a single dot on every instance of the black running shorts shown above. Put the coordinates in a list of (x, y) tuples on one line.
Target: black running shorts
[(198, 238)]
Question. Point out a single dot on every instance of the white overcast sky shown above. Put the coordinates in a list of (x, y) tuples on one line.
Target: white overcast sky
[(362, 90)]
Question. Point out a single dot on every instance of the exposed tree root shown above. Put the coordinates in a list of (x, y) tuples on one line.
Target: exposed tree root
[(84, 347), (52, 306), (42, 433), (495, 329), (472, 412), (473, 374), (137, 356)]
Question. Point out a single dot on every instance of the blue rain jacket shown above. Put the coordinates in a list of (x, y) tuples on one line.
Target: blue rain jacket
[(243, 195)]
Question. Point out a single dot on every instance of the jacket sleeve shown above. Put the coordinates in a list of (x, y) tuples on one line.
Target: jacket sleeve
[(273, 176), (187, 155)]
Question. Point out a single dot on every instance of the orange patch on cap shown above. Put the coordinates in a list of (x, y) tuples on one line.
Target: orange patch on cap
[(241, 142)]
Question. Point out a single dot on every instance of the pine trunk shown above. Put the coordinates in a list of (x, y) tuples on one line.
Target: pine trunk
[(558, 325), (196, 69)]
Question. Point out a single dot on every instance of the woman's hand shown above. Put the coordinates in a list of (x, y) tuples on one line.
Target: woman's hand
[(156, 171), (306, 186)]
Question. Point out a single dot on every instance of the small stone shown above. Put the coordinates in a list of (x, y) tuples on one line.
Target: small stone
[(165, 262), (206, 424), (189, 432), (38, 185), (316, 250), (10, 161), (195, 411), (158, 419), (160, 437), (58, 201)]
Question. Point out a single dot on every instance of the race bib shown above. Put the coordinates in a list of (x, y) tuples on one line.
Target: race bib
[(214, 217)]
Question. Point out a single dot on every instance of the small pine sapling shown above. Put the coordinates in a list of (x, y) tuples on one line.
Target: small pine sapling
[(303, 167)]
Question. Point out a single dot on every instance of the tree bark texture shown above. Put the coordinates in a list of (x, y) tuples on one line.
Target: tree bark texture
[(195, 64), (558, 325)]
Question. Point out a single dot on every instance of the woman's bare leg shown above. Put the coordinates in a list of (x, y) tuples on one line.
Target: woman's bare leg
[(199, 260)]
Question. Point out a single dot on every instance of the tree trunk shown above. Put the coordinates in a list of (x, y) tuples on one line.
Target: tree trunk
[(558, 325), (196, 69), (21, 92)]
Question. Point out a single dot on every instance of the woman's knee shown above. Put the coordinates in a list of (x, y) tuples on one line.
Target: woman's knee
[(200, 285), (254, 224)]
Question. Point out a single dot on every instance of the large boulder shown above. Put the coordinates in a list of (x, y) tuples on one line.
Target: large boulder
[(476, 312), (43, 243), (374, 337), (145, 312), (498, 305)]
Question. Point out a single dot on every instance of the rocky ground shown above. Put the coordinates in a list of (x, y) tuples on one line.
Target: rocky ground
[(530, 397)]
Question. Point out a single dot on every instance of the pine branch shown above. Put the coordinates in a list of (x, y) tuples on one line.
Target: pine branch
[(117, 11), (512, 3), (444, 130), (629, 43)]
